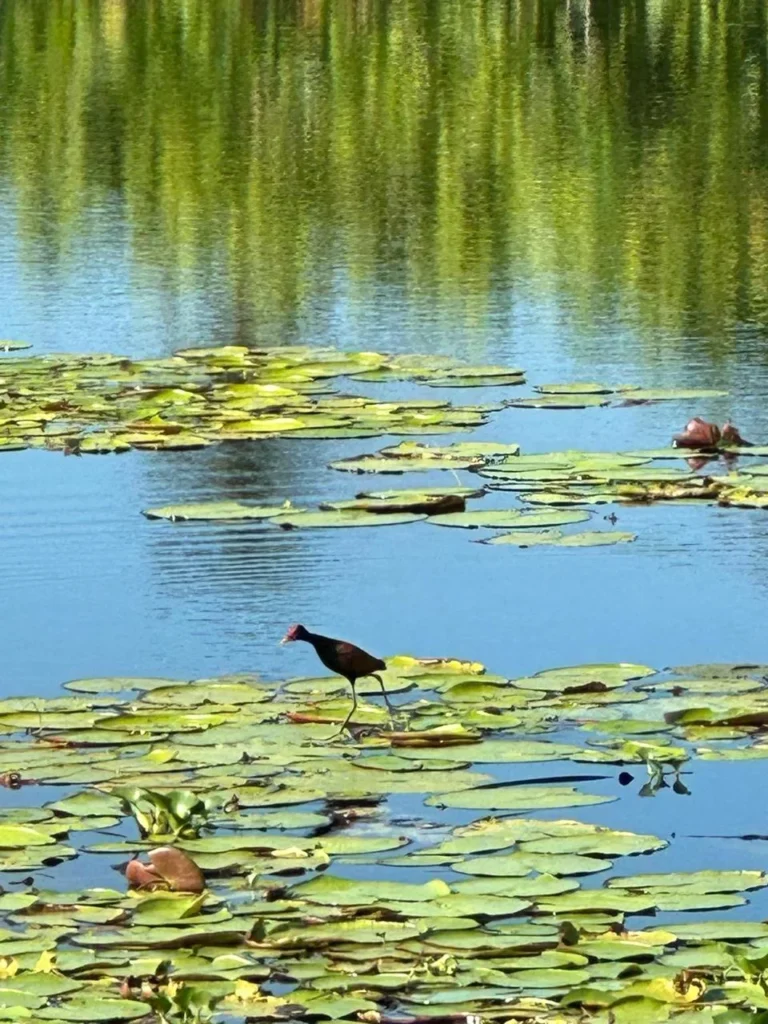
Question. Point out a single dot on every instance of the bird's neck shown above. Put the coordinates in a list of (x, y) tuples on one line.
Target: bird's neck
[(316, 639)]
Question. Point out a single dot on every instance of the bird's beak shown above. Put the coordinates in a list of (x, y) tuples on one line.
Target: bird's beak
[(285, 640)]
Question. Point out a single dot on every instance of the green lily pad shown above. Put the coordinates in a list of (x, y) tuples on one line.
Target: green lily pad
[(209, 692), (380, 464), (589, 538), (670, 394), (118, 684), (500, 752), (525, 538), (575, 388), (613, 948), (343, 518), (702, 881), (470, 381), (523, 862), (577, 676), (410, 494), (94, 1007), (337, 891), (685, 900), (461, 450), (34, 857), (498, 519), (514, 885), (719, 931), (602, 842), (518, 798), (561, 401), (721, 670), (21, 836), (212, 510)]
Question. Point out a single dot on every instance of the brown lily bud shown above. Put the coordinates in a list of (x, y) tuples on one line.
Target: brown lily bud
[(731, 435), (178, 870), (698, 434), (141, 876)]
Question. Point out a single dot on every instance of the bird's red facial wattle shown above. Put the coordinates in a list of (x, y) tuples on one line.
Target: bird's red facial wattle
[(294, 633)]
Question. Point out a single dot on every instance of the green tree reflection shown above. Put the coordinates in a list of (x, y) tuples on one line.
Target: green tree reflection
[(615, 151)]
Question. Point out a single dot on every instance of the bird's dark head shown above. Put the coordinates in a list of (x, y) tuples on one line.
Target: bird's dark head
[(297, 632)]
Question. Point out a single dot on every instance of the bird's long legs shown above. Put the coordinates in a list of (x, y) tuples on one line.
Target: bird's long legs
[(390, 706), (384, 694), (353, 709)]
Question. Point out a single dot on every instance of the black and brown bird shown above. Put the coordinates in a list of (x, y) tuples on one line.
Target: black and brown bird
[(344, 659)]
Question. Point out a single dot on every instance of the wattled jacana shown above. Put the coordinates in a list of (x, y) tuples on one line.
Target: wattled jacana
[(344, 659)]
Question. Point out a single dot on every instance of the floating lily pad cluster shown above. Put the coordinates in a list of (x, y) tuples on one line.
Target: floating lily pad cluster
[(588, 478), (98, 404), (588, 394), (251, 782), (548, 489), (582, 478)]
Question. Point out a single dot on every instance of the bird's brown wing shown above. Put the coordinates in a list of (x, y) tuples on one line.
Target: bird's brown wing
[(356, 660)]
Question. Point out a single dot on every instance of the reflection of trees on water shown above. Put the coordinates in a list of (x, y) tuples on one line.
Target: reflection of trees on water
[(612, 151)]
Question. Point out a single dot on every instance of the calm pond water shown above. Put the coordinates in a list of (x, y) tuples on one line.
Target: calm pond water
[(579, 189)]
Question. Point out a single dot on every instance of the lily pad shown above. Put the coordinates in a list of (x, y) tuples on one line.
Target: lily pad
[(502, 518), (589, 538), (522, 863), (603, 842), (407, 494), (565, 400), (95, 1007), (706, 881), (216, 510), (21, 836), (575, 388), (344, 518), (380, 464), (518, 798), (637, 395)]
